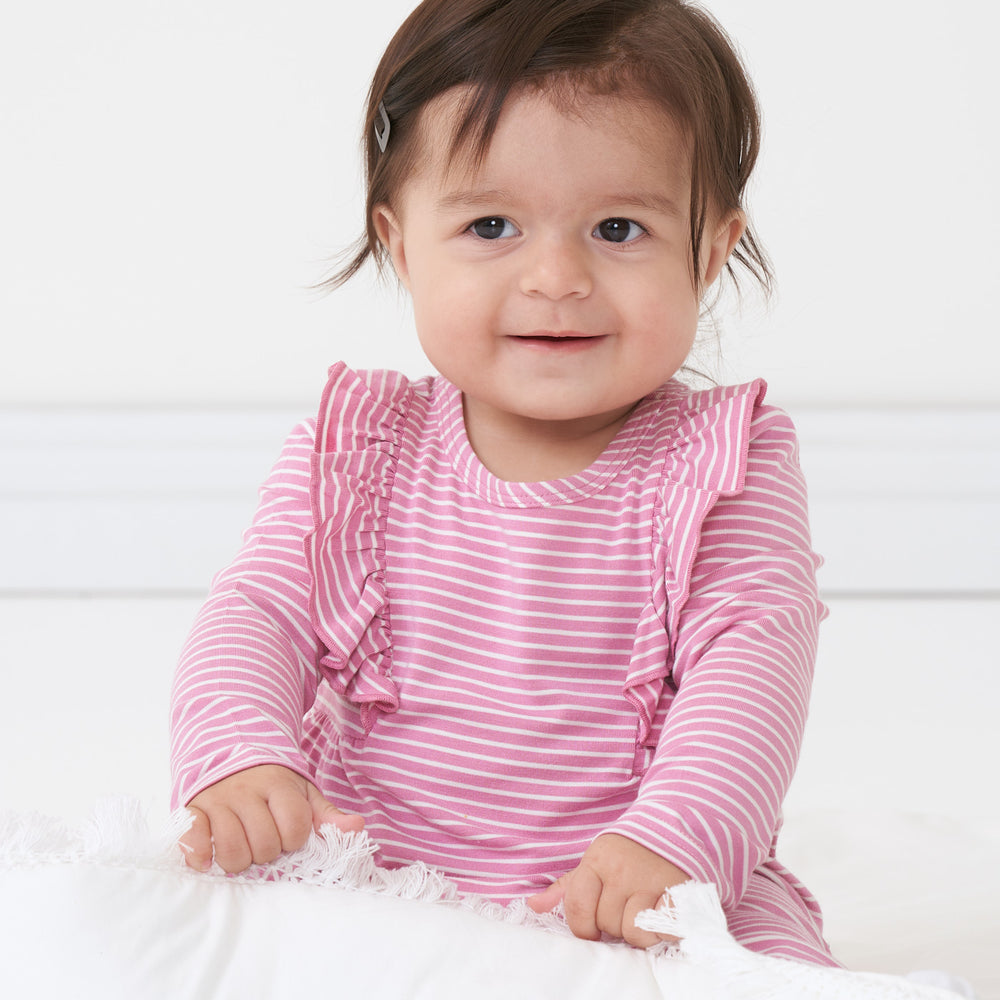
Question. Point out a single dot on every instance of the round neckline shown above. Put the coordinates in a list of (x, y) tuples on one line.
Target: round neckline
[(550, 493)]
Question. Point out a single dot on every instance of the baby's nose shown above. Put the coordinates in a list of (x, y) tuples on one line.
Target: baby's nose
[(556, 268)]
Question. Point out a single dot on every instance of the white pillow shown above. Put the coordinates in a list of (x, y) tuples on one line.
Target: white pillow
[(107, 911)]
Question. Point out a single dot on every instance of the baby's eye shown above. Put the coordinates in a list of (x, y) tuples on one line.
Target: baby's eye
[(618, 230), (493, 227)]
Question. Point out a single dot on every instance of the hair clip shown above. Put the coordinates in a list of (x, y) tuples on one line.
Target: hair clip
[(382, 138)]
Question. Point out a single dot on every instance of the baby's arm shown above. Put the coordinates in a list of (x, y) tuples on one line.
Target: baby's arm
[(248, 673), (745, 648), (743, 663), (253, 816), (615, 880)]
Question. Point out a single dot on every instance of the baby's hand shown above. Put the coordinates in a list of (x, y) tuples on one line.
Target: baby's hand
[(253, 816), (615, 880)]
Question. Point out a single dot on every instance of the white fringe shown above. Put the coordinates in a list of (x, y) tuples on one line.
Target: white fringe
[(118, 834)]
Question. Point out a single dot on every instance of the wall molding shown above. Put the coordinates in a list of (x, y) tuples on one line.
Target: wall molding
[(904, 502)]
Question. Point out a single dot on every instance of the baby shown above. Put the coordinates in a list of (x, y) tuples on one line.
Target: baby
[(546, 620)]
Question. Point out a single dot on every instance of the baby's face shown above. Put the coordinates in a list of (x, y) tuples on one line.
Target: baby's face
[(553, 285)]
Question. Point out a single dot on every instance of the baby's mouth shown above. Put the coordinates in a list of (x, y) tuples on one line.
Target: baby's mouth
[(546, 337)]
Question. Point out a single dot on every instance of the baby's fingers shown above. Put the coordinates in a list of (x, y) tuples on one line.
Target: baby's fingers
[(196, 844), (548, 899), (324, 812), (584, 890), (636, 936)]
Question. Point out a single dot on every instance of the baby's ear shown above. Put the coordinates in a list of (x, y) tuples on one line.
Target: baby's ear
[(727, 233), (390, 234)]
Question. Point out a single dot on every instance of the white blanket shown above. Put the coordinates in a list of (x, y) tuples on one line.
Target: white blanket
[(108, 910)]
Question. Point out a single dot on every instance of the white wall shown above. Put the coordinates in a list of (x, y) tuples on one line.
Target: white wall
[(174, 173)]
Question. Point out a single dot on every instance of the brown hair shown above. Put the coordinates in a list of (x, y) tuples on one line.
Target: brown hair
[(666, 51)]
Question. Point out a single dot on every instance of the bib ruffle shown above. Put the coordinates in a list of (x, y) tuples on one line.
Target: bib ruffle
[(353, 466), (695, 473)]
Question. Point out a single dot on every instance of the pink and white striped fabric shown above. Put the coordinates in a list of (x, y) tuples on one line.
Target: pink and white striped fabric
[(494, 673)]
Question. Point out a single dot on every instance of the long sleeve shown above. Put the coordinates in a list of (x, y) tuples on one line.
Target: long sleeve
[(249, 670), (742, 668)]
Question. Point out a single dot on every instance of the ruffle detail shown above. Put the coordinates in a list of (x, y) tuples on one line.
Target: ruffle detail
[(707, 442), (353, 466), (652, 654), (710, 438)]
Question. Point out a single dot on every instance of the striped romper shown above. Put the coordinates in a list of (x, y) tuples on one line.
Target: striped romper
[(495, 673)]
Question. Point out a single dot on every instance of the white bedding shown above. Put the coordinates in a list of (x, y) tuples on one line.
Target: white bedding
[(904, 890), (892, 820), (107, 910)]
